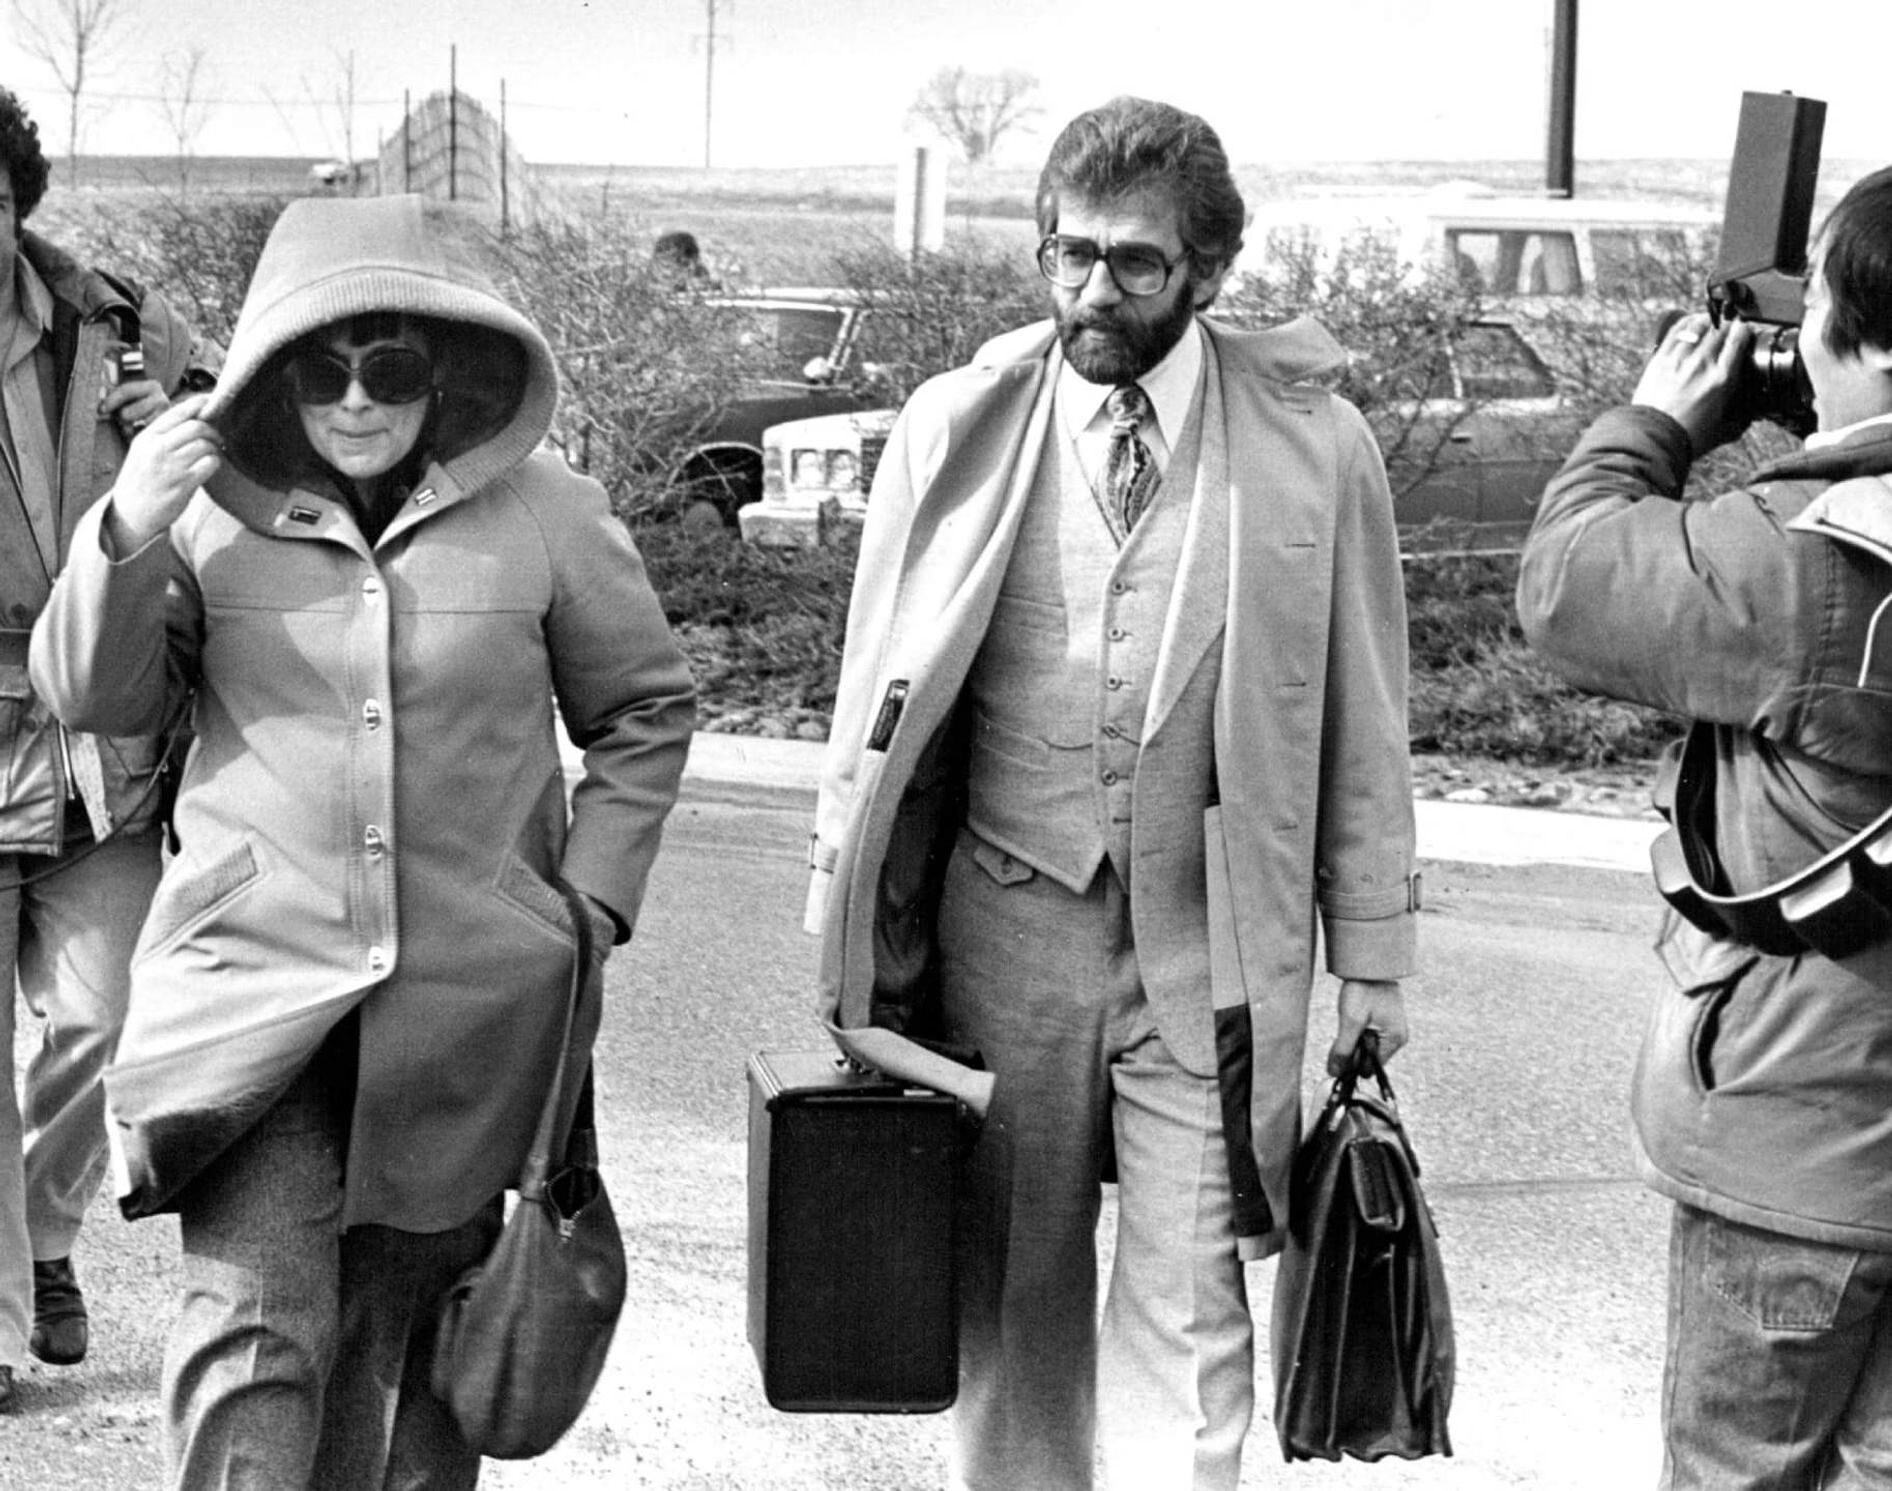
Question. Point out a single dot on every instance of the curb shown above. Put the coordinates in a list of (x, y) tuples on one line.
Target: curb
[(748, 770)]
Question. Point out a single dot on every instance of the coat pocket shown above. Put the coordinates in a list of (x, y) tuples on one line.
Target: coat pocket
[(188, 895), (1707, 970)]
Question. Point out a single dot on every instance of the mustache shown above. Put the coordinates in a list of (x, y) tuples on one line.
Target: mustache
[(1095, 320)]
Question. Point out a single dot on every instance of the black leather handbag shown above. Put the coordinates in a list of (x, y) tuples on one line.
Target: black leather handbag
[(524, 1334), (1362, 1326)]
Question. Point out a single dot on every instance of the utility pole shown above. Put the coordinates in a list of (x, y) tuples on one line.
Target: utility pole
[(1560, 150), (710, 41)]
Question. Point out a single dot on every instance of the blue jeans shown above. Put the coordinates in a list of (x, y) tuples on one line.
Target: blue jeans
[(299, 1361), (1779, 1369)]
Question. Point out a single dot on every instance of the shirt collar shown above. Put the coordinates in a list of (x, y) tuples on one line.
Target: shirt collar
[(32, 299), (1170, 387), (1826, 439)]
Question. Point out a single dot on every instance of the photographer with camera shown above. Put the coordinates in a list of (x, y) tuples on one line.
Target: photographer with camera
[(1763, 1095)]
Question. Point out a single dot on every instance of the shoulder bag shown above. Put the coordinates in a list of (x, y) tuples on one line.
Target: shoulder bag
[(523, 1335)]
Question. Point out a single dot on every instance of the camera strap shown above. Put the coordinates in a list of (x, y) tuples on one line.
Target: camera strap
[(1839, 905)]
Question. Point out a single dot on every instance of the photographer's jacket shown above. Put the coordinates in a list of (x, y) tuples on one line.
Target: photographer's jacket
[(1288, 584), (374, 808), (86, 322), (1765, 1086)]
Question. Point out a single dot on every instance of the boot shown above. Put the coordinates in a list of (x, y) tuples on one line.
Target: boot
[(60, 1329)]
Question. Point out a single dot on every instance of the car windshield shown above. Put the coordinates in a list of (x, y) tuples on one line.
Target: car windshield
[(782, 340)]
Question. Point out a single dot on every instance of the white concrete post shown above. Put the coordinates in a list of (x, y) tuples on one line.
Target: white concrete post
[(919, 203)]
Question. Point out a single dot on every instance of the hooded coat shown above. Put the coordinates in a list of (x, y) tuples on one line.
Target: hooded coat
[(373, 811)]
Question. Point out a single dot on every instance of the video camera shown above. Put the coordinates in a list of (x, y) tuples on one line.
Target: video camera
[(1761, 273)]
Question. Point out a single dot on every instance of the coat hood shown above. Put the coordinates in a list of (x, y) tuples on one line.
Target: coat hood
[(331, 258)]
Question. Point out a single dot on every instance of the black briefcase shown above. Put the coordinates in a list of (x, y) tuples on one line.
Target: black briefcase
[(853, 1189), (1364, 1355)]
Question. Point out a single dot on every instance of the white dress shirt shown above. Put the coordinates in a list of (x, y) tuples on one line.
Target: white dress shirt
[(1170, 387)]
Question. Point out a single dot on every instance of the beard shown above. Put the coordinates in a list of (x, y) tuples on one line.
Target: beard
[(1109, 346)]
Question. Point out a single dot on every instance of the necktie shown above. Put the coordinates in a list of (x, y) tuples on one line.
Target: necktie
[(1130, 469)]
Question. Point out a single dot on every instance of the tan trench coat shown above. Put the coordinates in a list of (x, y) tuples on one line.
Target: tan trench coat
[(1290, 578)]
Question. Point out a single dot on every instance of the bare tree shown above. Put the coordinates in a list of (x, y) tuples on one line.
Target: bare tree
[(334, 106), (344, 93), (184, 83), (73, 38), (975, 110)]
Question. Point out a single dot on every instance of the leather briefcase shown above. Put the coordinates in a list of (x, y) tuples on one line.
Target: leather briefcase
[(853, 1190), (1362, 1326)]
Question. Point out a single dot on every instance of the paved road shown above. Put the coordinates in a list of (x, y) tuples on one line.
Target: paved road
[(1526, 1028)]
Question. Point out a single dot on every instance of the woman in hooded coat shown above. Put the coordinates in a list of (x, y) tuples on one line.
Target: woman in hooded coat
[(348, 998)]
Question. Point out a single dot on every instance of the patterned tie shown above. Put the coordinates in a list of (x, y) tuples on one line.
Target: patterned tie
[(1130, 470)]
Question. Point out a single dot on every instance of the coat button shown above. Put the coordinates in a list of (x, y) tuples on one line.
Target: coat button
[(374, 841), (371, 714), (1116, 634), (1110, 779), (1113, 682), (371, 587), (377, 959)]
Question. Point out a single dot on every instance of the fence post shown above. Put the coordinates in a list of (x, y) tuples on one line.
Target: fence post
[(919, 204)]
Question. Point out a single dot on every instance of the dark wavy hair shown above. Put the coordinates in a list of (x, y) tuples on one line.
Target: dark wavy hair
[(1133, 144), (479, 382), (1857, 265), (25, 161)]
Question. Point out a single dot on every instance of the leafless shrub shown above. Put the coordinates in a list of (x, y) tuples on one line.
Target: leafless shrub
[(1397, 323), (931, 312), (198, 253), (645, 369)]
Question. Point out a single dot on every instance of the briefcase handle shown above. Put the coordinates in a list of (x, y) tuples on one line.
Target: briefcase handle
[(1365, 1062)]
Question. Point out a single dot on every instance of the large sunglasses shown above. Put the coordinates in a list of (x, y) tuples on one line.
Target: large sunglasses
[(1138, 268), (388, 375)]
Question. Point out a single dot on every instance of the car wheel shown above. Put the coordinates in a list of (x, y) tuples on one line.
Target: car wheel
[(710, 493)]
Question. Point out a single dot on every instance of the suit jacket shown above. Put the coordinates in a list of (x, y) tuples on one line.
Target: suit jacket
[(1289, 579)]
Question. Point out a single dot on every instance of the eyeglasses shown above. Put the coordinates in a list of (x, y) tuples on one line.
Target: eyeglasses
[(388, 375), (1136, 268)]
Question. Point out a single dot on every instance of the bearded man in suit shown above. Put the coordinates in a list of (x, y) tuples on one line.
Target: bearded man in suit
[(1122, 719)]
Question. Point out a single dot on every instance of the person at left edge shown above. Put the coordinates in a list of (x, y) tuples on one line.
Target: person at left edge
[(79, 841), (349, 995)]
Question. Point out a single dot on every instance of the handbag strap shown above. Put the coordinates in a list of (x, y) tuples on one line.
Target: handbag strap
[(545, 1139)]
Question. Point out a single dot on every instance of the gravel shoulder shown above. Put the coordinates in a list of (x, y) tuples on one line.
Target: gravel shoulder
[(1617, 790)]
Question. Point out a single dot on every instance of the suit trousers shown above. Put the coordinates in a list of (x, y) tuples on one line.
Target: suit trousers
[(300, 1356), (1045, 984), (66, 941)]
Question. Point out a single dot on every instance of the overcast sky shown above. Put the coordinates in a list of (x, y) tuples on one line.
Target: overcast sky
[(823, 82)]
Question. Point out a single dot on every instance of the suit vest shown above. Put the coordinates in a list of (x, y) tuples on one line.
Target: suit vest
[(1061, 683)]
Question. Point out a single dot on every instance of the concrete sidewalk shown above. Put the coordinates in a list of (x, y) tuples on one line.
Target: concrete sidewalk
[(745, 768)]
